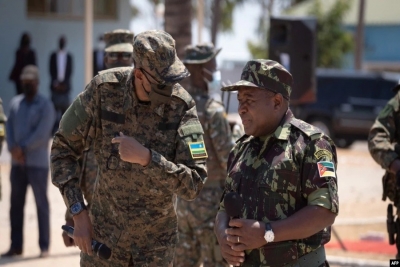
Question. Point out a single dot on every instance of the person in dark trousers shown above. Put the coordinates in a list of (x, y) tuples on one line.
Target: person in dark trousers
[(60, 68), (28, 128), (24, 56)]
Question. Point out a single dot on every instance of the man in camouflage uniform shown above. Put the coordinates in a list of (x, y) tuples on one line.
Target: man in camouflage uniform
[(2, 132), (197, 243), (284, 171), (383, 144), (118, 53), (148, 143)]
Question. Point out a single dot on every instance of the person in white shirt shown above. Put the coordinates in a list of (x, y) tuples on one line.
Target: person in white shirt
[(60, 68)]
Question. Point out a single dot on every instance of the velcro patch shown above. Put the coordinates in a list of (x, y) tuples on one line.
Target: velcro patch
[(198, 150), (326, 169)]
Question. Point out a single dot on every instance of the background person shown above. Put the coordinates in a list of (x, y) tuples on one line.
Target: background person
[(383, 145), (60, 68), (24, 56), (28, 129), (284, 171), (197, 243)]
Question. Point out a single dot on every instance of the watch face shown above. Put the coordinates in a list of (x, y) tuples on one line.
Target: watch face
[(76, 208), (269, 236)]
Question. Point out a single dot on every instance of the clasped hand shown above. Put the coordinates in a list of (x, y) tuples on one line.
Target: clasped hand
[(242, 235)]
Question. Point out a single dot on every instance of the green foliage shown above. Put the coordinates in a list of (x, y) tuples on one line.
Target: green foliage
[(257, 49), (332, 40), (228, 6)]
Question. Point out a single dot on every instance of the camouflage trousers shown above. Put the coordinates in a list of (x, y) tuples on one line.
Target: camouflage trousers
[(197, 242)]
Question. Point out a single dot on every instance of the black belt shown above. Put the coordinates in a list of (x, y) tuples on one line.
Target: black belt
[(313, 259)]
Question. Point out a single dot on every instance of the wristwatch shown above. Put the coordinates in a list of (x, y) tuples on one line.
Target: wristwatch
[(77, 208), (269, 234)]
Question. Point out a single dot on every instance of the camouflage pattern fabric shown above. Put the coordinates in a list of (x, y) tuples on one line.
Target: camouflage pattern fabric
[(154, 51), (3, 120), (201, 53), (280, 174), (265, 74), (87, 179), (197, 242), (384, 147), (119, 41), (132, 210)]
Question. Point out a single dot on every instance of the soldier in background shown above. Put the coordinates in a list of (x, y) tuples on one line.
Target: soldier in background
[(2, 132), (118, 53), (384, 147), (197, 243), (284, 171)]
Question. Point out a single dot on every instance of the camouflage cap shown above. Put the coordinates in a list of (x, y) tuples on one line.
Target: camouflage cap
[(154, 51), (200, 53), (30, 72), (266, 74), (119, 41)]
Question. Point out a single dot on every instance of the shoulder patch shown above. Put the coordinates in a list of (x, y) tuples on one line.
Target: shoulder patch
[(305, 127), (323, 153), (326, 169)]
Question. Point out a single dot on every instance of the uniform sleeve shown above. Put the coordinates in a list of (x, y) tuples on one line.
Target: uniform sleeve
[(318, 175), (185, 175), (220, 133), (69, 144), (381, 141)]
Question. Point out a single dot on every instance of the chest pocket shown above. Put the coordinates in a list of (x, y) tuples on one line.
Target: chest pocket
[(277, 191)]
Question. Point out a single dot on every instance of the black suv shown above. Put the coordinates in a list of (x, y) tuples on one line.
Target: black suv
[(347, 103)]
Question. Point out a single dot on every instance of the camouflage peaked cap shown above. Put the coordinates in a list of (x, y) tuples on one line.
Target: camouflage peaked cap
[(200, 53), (265, 74), (30, 72), (154, 51), (119, 41)]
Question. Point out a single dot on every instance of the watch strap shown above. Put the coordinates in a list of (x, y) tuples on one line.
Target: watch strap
[(268, 227)]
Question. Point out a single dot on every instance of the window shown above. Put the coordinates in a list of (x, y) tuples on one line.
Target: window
[(102, 9)]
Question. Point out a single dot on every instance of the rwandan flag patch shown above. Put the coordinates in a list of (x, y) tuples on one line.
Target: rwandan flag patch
[(198, 150), (326, 169)]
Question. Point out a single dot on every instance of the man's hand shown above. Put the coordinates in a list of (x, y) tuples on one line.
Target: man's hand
[(246, 234), (83, 232), (233, 257), (68, 241), (131, 150), (18, 155)]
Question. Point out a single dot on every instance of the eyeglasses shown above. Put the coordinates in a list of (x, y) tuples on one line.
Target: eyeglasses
[(116, 55)]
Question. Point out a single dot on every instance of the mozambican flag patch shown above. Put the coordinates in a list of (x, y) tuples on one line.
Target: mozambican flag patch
[(198, 150), (326, 169)]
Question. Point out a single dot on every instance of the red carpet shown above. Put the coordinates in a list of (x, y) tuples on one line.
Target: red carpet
[(379, 247)]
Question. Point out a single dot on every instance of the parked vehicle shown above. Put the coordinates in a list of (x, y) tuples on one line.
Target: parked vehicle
[(348, 103)]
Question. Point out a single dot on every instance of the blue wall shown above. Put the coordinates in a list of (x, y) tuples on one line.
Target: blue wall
[(44, 34), (381, 43)]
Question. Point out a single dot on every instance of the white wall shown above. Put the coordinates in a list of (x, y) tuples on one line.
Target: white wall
[(44, 34)]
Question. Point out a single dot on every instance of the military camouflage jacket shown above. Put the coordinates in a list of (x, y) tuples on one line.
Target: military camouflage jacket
[(291, 169), (217, 134), (384, 145), (384, 137), (132, 205)]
